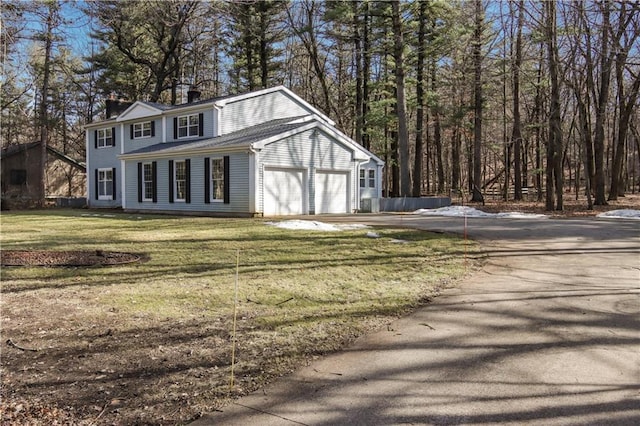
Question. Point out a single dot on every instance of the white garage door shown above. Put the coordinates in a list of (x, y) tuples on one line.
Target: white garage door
[(332, 192), (284, 192)]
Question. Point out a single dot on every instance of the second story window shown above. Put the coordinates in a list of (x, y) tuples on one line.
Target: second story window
[(104, 138), (142, 130), (188, 126)]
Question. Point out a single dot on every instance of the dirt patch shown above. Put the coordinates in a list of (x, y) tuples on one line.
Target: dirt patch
[(65, 258)]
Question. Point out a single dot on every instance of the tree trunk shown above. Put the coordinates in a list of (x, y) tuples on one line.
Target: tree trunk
[(601, 108), (417, 168), (554, 155), (626, 103), (456, 145), (44, 102), (401, 107), (516, 136), (366, 64), (437, 132), (477, 123), (357, 47)]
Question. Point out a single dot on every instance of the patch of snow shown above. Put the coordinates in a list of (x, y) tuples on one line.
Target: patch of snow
[(373, 234), (461, 211), (313, 225), (621, 214), (520, 215), (396, 241)]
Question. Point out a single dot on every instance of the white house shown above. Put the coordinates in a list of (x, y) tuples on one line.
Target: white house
[(261, 153)]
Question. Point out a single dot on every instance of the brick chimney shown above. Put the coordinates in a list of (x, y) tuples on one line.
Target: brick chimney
[(193, 95), (114, 107)]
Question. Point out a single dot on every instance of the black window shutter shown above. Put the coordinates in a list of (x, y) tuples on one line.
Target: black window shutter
[(113, 182), (171, 181), (175, 127), (95, 139), (140, 182), (226, 179), (187, 167), (97, 185), (153, 128), (131, 130), (154, 174), (207, 180), (201, 124), (113, 136)]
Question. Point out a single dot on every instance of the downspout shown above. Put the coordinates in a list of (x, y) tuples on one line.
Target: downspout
[(88, 172), (122, 177), (253, 179)]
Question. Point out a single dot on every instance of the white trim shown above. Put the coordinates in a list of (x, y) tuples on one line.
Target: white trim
[(140, 106), (121, 138), (88, 165), (210, 177), (175, 181), (105, 197), (104, 138), (305, 104), (142, 135), (347, 173), (253, 180), (123, 186), (178, 127), (143, 183), (164, 129), (305, 183), (339, 136)]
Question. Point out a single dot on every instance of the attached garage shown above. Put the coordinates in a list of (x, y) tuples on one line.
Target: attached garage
[(284, 191), (332, 192)]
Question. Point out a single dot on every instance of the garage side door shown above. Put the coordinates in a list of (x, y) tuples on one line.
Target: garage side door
[(283, 192), (332, 192)]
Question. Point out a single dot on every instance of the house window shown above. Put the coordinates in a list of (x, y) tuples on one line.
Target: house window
[(104, 138), (142, 130), (180, 180), (17, 176), (372, 178), (147, 182), (367, 178), (217, 179), (105, 184), (188, 126)]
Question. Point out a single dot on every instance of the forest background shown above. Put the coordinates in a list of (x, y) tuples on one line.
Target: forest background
[(523, 99)]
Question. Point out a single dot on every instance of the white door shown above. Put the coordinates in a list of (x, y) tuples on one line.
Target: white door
[(284, 191), (332, 192)]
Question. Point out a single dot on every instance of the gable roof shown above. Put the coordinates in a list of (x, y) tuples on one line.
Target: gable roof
[(143, 109), (11, 150), (255, 137), (243, 138)]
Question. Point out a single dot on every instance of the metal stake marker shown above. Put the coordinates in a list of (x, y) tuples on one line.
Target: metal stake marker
[(235, 315)]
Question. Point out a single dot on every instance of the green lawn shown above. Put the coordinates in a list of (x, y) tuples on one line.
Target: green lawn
[(300, 294)]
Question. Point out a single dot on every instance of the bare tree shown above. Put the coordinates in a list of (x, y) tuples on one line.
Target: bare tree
[(477, 94), (554, 144)]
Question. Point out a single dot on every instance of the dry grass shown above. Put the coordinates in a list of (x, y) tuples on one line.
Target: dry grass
[(150, 343)]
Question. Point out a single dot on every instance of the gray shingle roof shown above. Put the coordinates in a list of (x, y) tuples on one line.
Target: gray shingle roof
[(240, 139)]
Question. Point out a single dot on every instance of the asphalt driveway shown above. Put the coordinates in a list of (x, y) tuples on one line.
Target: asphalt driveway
[(548, 332)]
